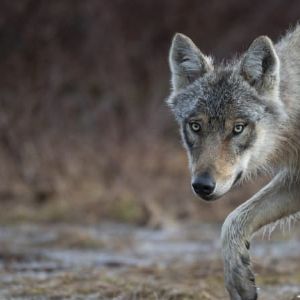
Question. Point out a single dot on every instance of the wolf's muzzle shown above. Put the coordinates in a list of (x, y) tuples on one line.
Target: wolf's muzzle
[(204, 185)]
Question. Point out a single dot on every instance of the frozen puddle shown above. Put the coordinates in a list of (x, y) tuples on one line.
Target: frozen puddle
[(48, 247), (43, 252)]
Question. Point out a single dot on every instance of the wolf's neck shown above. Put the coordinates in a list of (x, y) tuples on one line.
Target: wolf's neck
[(288, 50)]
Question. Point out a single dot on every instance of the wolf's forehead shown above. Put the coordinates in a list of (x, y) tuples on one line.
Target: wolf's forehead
[(219, 95), (219, 88), (213, 98)]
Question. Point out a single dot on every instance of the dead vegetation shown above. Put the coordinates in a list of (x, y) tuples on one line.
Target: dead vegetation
[(130, 263), (84, 132)]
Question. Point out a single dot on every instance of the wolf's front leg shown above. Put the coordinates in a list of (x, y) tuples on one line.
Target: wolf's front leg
[(276, 200)]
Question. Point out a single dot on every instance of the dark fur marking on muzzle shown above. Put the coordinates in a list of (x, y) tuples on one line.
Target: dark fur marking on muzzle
[(238, 177)]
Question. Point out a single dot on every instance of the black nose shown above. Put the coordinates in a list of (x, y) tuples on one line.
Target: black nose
[(204, 185)]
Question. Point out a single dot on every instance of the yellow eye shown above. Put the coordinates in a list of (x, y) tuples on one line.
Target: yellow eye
[(195, 126), (238, 129)]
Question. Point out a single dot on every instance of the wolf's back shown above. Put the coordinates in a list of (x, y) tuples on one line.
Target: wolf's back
[(288, 50)]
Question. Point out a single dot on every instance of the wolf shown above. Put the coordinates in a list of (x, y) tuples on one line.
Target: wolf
[(238, 119)]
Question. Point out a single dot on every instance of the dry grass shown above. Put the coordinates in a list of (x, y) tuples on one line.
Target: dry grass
[(188, 282), (84, 130), (149, 185)]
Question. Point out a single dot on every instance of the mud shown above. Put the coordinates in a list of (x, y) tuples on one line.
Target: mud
[(116, 261)]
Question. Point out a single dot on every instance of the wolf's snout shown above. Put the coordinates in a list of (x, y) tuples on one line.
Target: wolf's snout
[(204, 185)]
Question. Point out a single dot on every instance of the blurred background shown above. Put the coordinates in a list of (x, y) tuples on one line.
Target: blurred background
[(85, 134), (95, 190)]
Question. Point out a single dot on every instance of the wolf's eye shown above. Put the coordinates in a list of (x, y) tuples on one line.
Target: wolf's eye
[(195, 126), (238, 129)]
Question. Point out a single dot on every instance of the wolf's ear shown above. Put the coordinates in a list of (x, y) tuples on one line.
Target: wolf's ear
[(187, 62), (260, 65)]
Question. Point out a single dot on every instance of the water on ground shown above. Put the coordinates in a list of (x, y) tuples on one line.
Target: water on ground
[(116, 261)]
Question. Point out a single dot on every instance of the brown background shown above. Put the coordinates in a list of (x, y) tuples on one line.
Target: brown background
[(85, 134)]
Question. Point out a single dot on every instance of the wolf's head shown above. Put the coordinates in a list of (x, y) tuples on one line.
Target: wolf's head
[(227, 114)]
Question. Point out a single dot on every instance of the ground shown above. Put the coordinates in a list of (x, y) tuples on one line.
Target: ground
[(117, 261)]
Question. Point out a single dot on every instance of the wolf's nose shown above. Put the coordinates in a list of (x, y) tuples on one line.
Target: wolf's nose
[(204, 185)]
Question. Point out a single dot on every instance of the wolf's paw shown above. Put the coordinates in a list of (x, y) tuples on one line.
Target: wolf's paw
[(239, 279)]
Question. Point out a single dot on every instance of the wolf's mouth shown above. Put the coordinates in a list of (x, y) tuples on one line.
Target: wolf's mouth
[(215, 196), (238, 177), (211, 197)]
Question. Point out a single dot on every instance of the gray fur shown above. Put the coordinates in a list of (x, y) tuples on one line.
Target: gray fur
[(187, 62), (261, 90)]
